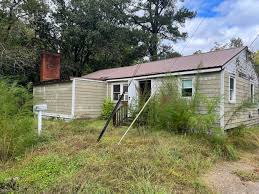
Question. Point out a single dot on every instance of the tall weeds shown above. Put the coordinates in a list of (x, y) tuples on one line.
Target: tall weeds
[(16, 120), (168, 110)]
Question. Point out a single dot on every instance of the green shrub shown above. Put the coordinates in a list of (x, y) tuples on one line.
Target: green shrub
[(223, 149), (168, 110), (244, 138), (16, 120), (107, 108)]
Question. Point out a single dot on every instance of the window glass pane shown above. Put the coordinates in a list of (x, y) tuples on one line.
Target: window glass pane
[(187, 83), (232, 89), (116, 96), (231, 83), (231, 94), (125, 88), (126, 97), (252, 92), (116, 88), (187, 92)]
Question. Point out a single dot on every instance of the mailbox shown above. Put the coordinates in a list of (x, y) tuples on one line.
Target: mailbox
[(40, 107)]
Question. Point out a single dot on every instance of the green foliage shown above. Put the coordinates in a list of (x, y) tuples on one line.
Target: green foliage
[(244, 138), (168, 110), (96, 36), (161, 20), (222, 148), (257, 58), (107, 108), (90, 34), (16, 120), (19, 47), (43, 171), (256, 61)]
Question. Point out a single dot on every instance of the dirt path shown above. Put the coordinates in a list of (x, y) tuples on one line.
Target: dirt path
[(235, 177)]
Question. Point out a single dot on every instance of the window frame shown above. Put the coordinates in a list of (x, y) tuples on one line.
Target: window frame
[(119, 93), (181, 87), (233, 100), (126, 93), (125, 97)]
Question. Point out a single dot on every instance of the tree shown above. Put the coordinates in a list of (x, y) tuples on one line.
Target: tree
[(167, 52), (257, 58), (92, 35), (219, 46), (236, 42), (197, 52), (161, 19), (18, 45), (256, 61), (233, 43)]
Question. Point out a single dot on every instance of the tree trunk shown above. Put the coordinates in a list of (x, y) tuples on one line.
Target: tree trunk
[(153, 47)]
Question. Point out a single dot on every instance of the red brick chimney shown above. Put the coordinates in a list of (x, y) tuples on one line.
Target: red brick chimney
[(49, 66)]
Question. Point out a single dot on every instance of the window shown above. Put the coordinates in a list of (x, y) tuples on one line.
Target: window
[(125, 89), (232, 89), (116, 91), (187, 89), (252, 93)]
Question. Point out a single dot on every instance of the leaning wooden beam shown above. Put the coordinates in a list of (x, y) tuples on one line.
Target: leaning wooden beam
[(110, 118), (117, 105), (136, 118)]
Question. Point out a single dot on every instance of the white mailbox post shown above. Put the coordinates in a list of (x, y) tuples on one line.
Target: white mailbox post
[(39, 108)]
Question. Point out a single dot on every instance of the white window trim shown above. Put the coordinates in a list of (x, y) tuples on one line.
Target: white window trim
[(252, 94), (121, 90), (234, 94), (181, 86)]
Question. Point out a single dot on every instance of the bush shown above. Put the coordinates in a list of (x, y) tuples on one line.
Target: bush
[(222, 147), (168, 110), (16, 120), (107, 108), (244, 138)]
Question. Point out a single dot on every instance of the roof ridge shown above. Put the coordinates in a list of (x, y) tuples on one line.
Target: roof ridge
[(191, 55), (213, 51)]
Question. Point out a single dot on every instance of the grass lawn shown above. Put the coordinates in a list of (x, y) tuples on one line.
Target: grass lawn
[(68, 160)]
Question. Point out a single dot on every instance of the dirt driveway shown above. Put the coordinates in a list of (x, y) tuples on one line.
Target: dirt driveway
[(235, 177)]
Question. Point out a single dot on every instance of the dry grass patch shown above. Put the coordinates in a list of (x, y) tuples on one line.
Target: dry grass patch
[(248, 175)]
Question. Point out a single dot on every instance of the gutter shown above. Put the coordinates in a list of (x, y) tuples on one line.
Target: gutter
[(189, 72)]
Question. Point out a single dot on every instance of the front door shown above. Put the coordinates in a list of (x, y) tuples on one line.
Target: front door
[(144, 90)]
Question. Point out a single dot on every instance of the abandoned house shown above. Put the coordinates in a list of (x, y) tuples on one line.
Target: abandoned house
[(228, 74)]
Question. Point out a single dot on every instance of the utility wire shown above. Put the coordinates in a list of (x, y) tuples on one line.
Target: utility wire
[(254, 40), (198, 26), (154, 92)]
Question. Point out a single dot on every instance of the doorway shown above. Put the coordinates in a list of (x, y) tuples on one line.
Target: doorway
[(144, 90)]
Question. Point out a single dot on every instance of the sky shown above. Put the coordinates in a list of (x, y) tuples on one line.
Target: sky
[(220, 20)]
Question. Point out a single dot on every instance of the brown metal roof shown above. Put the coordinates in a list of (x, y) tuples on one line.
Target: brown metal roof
[(193, 62)]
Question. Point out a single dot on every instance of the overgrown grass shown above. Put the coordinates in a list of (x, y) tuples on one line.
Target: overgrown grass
[(71, 161)]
